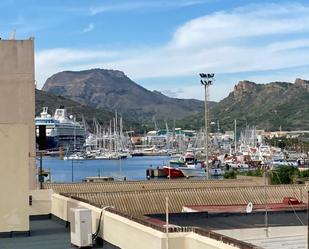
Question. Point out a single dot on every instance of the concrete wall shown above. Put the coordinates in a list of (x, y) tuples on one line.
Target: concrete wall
[(41, 202), (17, 93), (14, 180), (128, 234), (17, 137)]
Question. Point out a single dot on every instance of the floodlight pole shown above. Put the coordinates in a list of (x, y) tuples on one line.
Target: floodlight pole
[(206, 80), (206, 130)]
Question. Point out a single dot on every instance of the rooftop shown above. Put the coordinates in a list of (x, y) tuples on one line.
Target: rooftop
[(287, 230), (152, 201), (236, 220), (45, 234), (290, 237)]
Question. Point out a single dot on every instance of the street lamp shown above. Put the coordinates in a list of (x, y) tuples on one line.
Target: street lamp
[(206, 80)]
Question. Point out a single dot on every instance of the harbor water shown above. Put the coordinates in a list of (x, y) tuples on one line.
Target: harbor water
[(131, 168)]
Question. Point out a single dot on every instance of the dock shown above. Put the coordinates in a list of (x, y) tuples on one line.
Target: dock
[(157, 172), (98, 179)]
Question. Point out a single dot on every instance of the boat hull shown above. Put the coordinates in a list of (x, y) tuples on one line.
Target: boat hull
[(172, 172), (193, 172)]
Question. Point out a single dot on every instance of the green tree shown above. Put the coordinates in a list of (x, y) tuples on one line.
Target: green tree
[(284, 175), (304, 173), (230, 174), (257, 172)]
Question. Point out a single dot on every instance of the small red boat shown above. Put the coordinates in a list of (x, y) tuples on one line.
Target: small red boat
[(172, 172)]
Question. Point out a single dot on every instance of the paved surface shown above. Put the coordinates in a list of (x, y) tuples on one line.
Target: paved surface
[(45, 234), (279, 237)]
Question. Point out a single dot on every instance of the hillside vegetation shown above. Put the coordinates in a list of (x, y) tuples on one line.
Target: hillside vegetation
[(268, 106)]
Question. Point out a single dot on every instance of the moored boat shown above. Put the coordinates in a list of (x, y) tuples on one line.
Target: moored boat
[(172, 172), (177, 160), (76, 156), (193, 171)]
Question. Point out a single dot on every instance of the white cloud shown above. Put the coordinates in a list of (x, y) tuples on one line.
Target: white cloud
[(52, 61), (145, 5), (252, 38), (257, 21), (89, 28)]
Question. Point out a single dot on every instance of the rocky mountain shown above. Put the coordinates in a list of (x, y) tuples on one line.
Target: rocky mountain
[(268, 106), (53, 102), (113, 90)]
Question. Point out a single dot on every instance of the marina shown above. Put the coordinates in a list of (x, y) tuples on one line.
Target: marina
[(131, 168), (93, 159)]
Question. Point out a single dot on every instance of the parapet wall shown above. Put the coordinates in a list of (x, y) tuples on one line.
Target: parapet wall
[(125, 233), (14, 180)]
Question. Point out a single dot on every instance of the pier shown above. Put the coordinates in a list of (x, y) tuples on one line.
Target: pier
[(157, 172)]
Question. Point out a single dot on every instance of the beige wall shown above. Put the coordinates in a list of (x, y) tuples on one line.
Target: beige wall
[(14, 180), (17, 91), (127, 234), (41, 202)]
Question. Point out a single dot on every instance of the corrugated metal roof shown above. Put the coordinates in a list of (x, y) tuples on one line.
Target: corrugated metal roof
[(118, 186), (153, 201)]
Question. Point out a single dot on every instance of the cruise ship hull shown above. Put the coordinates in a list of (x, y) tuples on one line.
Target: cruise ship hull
[(53, 132), (66, 142)]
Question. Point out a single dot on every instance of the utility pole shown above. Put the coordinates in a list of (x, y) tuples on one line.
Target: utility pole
[(265, 201), (308, 220), (235, 137), (166, 220), (41, 177), (206, 81), (72, 170)]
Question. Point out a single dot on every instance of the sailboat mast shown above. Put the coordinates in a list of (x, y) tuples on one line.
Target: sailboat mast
[(110, 136), (167, 137), (74, 133)]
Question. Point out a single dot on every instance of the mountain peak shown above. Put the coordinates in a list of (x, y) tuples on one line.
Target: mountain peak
[(244, 87), (113, 90), (302, 83)]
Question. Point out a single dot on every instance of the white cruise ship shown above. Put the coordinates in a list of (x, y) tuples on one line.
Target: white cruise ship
[(59, 130)]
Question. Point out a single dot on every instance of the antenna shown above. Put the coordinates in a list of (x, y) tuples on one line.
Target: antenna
[(249, 208), (13, 35)]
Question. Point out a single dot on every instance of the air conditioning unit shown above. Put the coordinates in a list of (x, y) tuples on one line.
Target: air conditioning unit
[(81, 227)]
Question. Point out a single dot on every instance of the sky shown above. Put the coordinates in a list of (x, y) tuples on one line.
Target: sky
[(164, 45)]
